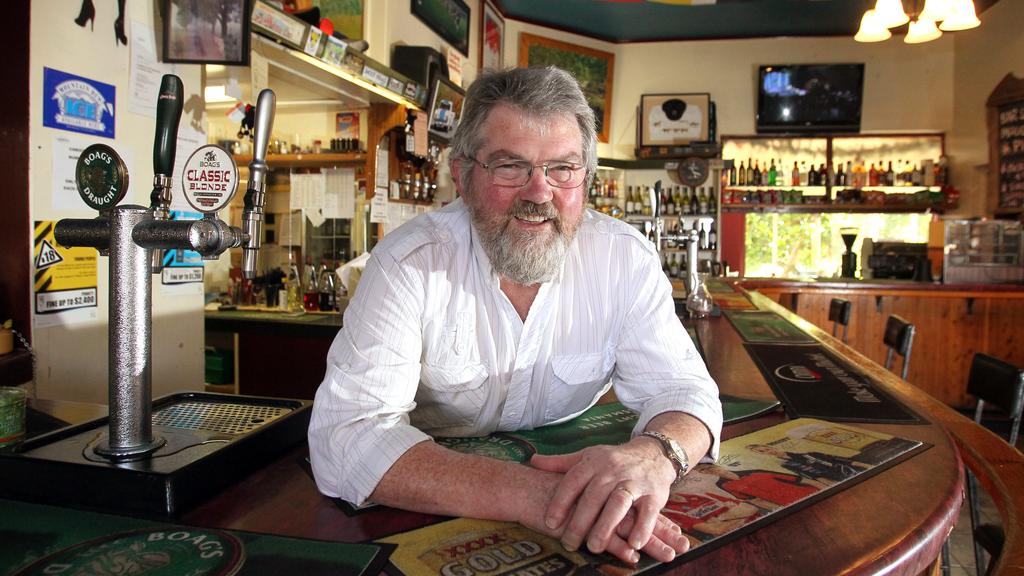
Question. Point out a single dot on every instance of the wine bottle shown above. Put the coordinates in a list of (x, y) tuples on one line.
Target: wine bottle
[(713, 237)]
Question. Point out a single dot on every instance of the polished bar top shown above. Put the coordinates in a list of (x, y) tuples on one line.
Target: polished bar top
[(855, 284), (892, 523)]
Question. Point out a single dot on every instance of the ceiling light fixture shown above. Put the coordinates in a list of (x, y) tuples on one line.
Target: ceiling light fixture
[(954, 15)]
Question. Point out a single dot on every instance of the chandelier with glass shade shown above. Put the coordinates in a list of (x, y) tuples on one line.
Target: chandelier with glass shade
[(928, 19)]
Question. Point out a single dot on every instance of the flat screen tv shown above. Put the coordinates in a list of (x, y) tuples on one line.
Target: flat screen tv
[(810, 98)]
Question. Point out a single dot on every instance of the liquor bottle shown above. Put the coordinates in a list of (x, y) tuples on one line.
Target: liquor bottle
[(750, 173), (840, 176), (327, 287), (293, 289), (694, 203), (712, 201), (645, 201), (669, 202), (757, 174), (823, 177), (794, 179), (917, 175), (848, 179), (804, 174), (702, 236), (741, 175), (673, 267), (629, 200), (310, 295), (908, 173), (873, 175), (772, 173), (679, 200), (890, 176), (859, 174), (685, 207), (713, 237), (702, 201)]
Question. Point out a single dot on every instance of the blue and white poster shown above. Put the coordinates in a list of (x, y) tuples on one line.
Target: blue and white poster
[(78, 104), (181, 266)]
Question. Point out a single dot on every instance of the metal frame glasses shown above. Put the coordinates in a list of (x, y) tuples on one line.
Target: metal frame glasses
[(517, 173)]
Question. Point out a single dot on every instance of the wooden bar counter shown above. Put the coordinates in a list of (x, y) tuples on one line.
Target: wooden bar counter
[(892, 523), (952, 323)]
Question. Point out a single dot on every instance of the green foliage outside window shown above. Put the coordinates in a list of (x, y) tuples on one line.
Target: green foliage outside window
[(809, 245)]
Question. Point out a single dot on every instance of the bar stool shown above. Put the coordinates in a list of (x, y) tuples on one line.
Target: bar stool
[(992, 381), (899, 337), (839, 313)]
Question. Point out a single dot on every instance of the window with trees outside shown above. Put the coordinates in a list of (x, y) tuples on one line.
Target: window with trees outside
[(808, 245)]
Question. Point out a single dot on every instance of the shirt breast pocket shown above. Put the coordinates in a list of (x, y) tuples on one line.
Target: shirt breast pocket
[(449, 395), (578, 380)]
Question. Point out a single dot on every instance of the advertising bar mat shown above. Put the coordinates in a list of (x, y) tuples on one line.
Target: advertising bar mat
[(602, 424), (766, 326), (759, 478), (733, 301), (813, 382), (40, 539)]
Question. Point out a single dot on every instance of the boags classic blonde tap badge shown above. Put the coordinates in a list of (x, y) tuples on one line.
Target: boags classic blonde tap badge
[(209, 179)]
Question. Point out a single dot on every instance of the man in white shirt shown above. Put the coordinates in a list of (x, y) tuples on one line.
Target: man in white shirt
[(510, 309)]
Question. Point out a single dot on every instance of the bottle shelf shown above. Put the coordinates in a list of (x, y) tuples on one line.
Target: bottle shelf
[(812, 207), (305, 160)]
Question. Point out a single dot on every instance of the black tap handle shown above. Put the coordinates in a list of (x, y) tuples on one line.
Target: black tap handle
[(168, 114)]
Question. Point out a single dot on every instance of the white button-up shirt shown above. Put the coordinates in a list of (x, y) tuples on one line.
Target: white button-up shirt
[(432, 346)]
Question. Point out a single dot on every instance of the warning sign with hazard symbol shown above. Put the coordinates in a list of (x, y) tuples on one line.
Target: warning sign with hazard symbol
[(65, 278)]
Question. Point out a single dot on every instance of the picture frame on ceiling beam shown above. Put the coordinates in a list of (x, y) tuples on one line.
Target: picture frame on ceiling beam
[(206, 32), (449, 19), (593, 69), (674, 119)]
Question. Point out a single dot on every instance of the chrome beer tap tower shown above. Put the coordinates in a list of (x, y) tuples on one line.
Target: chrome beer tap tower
[(698, 301), (134, 235)]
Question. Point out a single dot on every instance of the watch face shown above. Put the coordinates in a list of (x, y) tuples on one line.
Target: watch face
[(693, 171)]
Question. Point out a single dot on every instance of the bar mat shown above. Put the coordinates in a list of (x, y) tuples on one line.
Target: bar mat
[(766, 326), (41, 539), (813, 382)]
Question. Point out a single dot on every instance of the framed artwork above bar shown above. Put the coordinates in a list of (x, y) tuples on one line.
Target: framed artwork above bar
[(449, 19), (206, 32)]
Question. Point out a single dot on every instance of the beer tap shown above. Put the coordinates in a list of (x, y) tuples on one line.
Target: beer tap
[(168, 115), (132, 234), (256, 192), (698, 300)]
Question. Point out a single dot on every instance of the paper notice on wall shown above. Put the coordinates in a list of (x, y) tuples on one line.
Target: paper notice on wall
[(340, 193), (182, 271), (380, 170), (290, 231), (296, 193), (65, 288), (189, 141), (146, 71), (454, 59), (260, 73), (420, 132), (379, 207)]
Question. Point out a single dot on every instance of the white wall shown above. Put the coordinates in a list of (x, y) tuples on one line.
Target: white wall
[(984, 56), (72, 360)]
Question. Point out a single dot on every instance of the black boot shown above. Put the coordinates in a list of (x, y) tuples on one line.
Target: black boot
[(86, 14), (119, 35)]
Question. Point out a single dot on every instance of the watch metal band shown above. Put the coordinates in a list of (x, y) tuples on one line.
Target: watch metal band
[(673, 452)]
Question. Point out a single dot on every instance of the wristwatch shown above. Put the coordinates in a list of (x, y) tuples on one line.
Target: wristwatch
[(673, 452)]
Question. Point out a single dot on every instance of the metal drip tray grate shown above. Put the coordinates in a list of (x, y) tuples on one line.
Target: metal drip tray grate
[(224, 418)]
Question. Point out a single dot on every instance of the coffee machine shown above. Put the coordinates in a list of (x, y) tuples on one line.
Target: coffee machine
[(849, 236)]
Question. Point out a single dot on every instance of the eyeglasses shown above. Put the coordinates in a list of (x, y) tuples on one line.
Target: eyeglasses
[(518, 172)]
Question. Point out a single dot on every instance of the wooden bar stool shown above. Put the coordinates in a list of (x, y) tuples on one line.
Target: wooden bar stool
[(1001, 384), (839, 313), (899, 337)]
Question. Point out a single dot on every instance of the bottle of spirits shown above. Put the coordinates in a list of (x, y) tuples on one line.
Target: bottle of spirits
[(702, 201), (669, 202), (804, 175), (750, 173), (629, 200), (713, 237), (757, 173), (310, 294), (327, 286), (694, 203), (702, 236), (890, 176), (673, 268), (772, 173), (794, 177), (872, 175), (741, 175), (840, 178)]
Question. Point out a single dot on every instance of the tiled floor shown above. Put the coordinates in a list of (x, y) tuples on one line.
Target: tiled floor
[(961, 545)]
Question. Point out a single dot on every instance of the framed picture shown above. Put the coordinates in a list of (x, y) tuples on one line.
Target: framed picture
[(346, 15), (673, 119), (445, 108), (492, 38), (206, 32), (593, 69), (449, 19)]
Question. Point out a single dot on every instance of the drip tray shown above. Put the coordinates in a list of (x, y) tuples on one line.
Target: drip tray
[(213, 440)]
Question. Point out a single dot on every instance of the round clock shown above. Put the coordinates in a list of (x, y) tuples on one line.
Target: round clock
[(693, 171)]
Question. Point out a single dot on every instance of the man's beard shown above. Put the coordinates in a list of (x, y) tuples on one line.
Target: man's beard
[(524, 257)]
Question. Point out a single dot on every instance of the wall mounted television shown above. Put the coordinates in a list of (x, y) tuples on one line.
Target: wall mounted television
[(810, 98)]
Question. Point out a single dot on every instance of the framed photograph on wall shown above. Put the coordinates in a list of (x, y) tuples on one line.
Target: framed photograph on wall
[(674, 119), (492, 38), (445, 108), (593, 69), (346, 15), (206, 32), (449, 19)]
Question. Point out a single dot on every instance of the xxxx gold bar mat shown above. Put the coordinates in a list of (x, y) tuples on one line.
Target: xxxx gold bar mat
[(759, 478), (39, 539), (766, 326), (813, 382)]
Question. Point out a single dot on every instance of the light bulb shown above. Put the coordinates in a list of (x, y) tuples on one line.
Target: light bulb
[(871, 30), (922, 30)]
